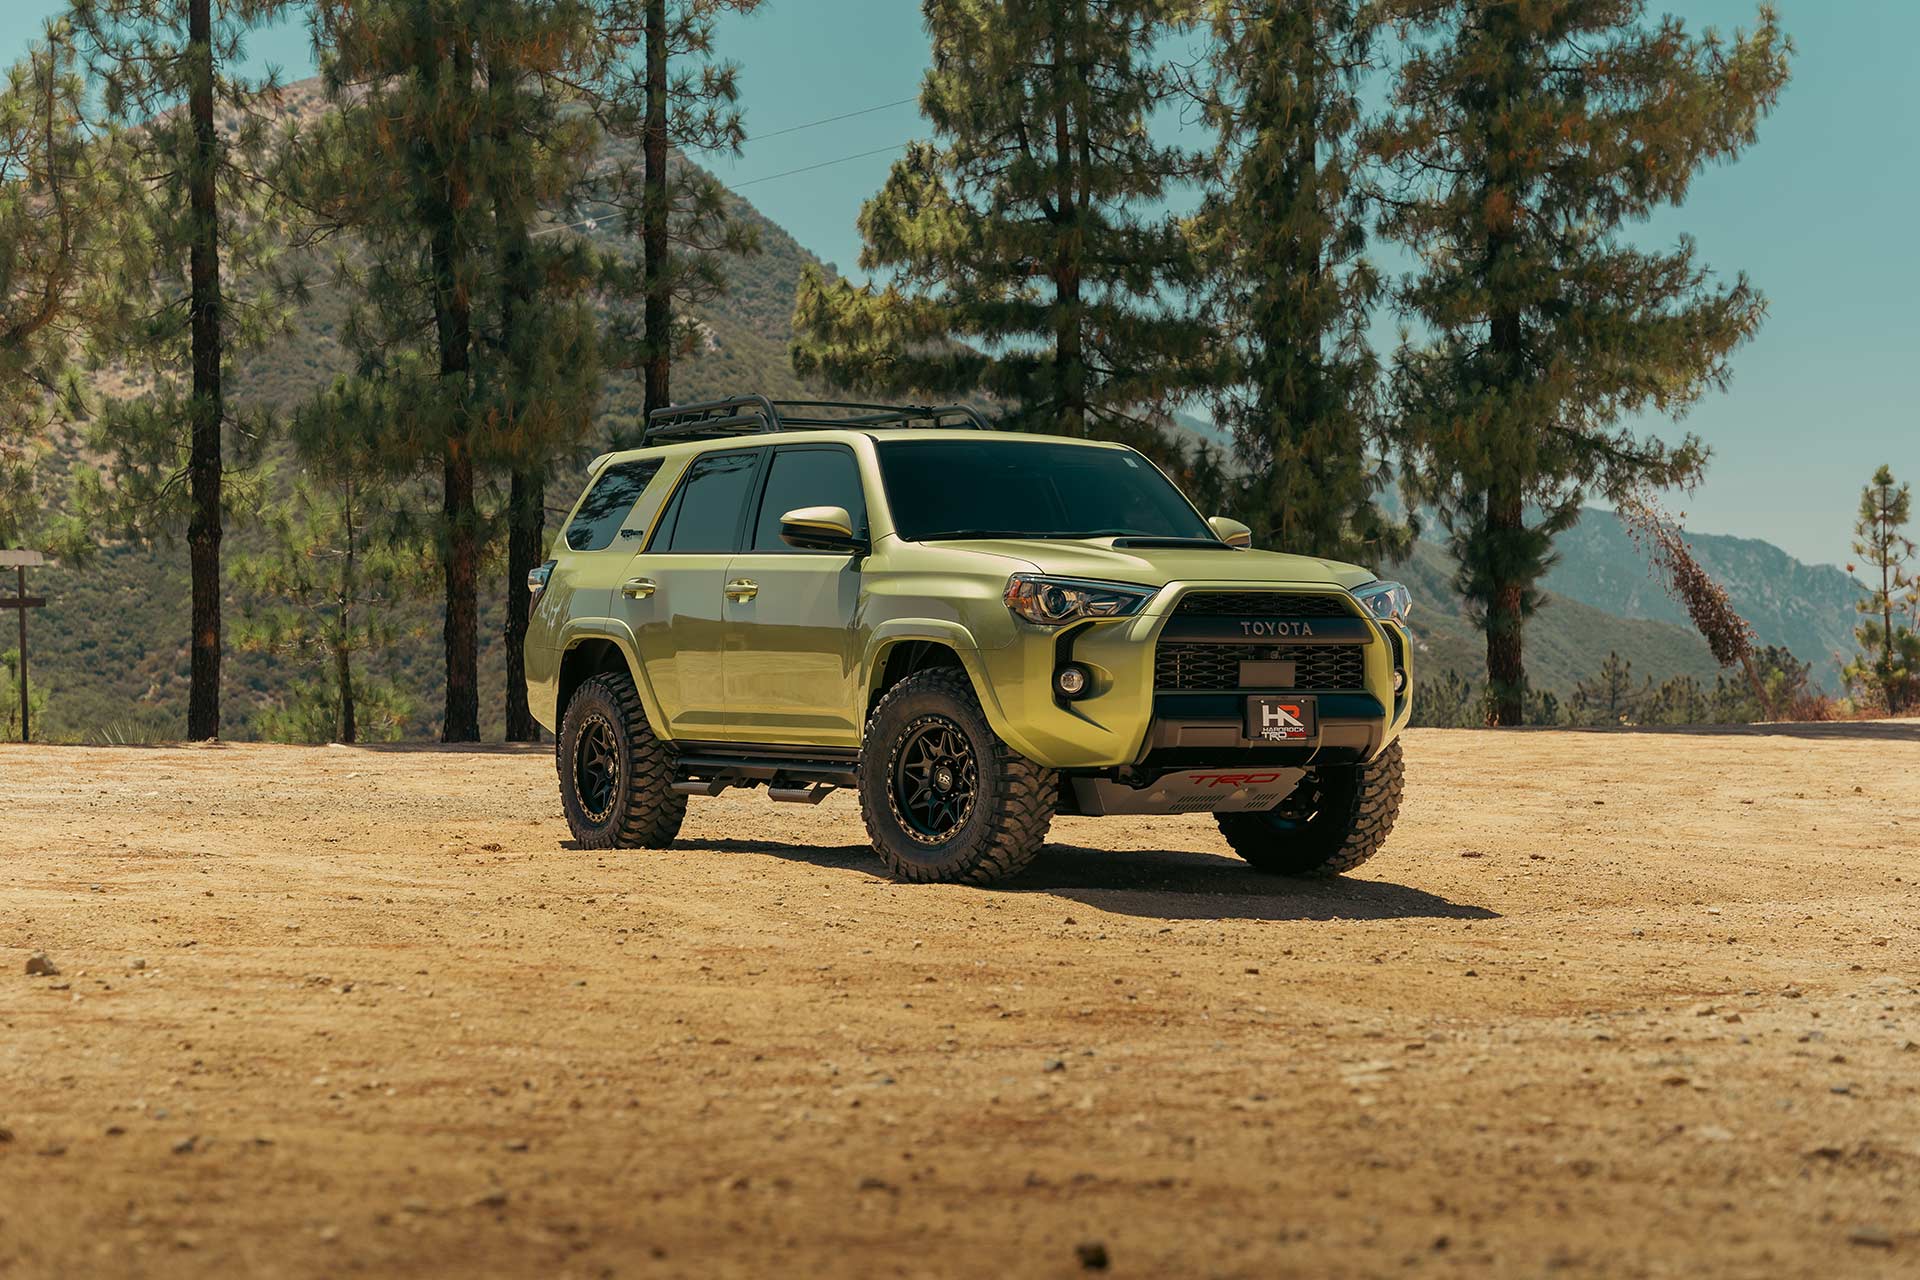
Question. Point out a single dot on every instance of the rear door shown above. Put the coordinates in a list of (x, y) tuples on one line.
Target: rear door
[(671, 595), (792, 616)]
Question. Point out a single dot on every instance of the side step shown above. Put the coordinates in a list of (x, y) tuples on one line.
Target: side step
[(791, 775)]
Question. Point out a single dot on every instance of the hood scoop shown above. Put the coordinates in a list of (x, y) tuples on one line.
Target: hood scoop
[(1170, 544)]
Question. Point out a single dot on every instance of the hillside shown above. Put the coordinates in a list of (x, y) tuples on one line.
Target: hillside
[(1807, 608), (1566, 641)]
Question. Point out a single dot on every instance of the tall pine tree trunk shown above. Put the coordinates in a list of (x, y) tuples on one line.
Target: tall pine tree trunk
[(1506, 623), (453, 322), (343, 643), (526, 499), (658, 309), (343, 678), (1069, 354), (206, 408), (526, 520)]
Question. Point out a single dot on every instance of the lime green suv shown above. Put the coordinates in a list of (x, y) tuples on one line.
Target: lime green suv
[(976, 630)]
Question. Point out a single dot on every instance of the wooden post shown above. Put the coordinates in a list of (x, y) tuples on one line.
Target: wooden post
[(20, 602)]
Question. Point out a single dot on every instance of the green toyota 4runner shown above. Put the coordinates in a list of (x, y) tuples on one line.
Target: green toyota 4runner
[(976, 630)]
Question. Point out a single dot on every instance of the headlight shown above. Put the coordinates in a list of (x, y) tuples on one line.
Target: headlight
[(1387, 601), (1054, 602)]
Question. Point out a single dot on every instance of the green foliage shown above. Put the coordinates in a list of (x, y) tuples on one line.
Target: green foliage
[(1887, 672), (10, 698), (1522, 140), (1025, 254), (1281, 235), (310, 711), (323, 591), (63, 177), (1609, 698)]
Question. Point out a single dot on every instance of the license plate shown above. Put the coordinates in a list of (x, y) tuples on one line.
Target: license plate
[(1282, 719)]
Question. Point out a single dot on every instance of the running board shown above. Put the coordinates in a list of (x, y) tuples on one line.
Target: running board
[(794, 778)]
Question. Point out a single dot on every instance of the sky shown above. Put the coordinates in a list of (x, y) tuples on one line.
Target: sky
[(1813, 213)]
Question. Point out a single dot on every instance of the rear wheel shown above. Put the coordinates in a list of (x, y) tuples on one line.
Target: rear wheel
[(943, 798), (616, 778), (1336, 819)]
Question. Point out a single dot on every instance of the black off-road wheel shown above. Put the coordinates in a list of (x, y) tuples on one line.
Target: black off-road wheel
[(943, 798), (1336, 819), (616, 778)]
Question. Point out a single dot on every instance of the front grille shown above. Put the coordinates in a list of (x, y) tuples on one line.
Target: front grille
[(1264, 604), (1331, 668)]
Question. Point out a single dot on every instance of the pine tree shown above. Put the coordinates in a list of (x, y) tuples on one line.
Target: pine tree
[(1889, 661), (167, 70), (1025, 254), (1282, 234), (1523, 139), (473, 333), (323, 588), (1609, 698), (63, 177)]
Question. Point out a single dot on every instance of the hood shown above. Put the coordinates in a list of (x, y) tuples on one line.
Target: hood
[(1099, 559)]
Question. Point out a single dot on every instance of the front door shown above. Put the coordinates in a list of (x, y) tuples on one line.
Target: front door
[(672, 594), (792, 616)]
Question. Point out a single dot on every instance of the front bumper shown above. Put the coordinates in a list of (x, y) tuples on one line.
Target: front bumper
[(1124, 720)]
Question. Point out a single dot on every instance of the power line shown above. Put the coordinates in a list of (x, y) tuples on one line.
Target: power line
[(814, 124), (877, 151)]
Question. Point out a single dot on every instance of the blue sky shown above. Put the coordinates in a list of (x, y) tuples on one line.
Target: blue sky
[(1813, 213)]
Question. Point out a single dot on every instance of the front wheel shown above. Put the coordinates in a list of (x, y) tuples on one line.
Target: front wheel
[(1336, 819), (943, 798), (616, 778)]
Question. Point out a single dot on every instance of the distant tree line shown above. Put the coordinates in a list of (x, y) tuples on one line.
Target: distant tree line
[(161, 213)]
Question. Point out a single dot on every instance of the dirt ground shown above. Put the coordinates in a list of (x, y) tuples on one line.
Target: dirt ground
[(1609, 1004)]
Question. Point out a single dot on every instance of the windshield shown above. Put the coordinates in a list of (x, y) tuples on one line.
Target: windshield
[(1025, 488)]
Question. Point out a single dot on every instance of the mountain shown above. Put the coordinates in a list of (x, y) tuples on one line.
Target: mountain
[(1807, 608), (1566, 641)]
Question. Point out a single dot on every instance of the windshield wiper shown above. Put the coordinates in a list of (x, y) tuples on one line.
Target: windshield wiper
[(955, 535)]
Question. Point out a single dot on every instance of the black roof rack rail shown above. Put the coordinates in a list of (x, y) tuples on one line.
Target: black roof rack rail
[(753, 415)]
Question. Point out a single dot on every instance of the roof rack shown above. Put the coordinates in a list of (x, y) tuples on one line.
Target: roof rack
[(754, 415)]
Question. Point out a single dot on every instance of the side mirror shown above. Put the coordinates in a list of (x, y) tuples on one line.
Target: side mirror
[(1231, 532), (820, 529)]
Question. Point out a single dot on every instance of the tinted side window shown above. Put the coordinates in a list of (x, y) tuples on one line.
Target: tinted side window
[(821, 477), (705, 513), (607, 504)]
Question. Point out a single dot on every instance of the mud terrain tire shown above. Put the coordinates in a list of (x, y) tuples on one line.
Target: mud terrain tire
[(616, 778), (944, 799), (1339, 818)]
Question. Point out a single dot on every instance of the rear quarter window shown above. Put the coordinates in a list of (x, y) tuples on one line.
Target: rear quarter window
[(608, 503)]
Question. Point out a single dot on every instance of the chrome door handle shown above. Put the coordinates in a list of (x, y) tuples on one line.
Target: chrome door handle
[(637, 588), (742, 589)]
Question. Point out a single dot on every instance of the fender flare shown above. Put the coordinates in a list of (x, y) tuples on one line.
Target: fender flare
[(888, 635), (578, 630)]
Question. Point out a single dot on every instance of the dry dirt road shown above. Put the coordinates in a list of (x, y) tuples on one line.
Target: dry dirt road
[(1608, 1005)]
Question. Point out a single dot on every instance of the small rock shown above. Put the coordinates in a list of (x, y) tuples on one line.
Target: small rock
[(39, 966), (136, 963), (6, 1135), (871, 1183), (1092, 1255), (186, 1145), (494, 1199), (1054, 1064), (1870, 1238), (517, 1144)]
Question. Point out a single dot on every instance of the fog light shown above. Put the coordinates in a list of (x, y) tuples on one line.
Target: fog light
[(1071, 681), (1399, 682)]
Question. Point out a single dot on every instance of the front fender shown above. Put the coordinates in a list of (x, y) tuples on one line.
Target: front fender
[(897, 631)]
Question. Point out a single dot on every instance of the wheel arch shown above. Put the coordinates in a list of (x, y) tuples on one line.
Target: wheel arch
[(899, 649), (591, 653)]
